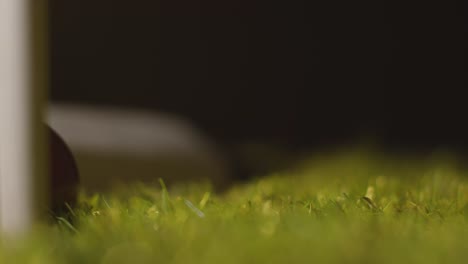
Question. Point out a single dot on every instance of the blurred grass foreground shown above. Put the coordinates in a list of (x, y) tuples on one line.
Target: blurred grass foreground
[(350, 208)]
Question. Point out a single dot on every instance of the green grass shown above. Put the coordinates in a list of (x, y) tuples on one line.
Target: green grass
[(350, 208)]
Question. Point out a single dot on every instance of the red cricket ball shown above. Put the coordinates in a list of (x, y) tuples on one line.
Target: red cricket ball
[(64, 177)]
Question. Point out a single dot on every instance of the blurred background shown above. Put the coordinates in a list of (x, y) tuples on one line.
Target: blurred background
[(227, 90)]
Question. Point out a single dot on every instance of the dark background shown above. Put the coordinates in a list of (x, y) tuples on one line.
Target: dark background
[(301, 74)]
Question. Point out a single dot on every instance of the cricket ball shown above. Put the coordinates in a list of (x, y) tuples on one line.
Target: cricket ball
[(64, 176)]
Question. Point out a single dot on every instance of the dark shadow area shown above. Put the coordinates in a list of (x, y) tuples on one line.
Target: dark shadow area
[(301, 76)]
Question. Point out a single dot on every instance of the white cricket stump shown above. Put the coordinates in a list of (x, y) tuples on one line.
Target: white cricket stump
[(22, 79)]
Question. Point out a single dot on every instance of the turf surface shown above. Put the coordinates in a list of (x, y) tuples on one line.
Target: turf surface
[(350, 208)]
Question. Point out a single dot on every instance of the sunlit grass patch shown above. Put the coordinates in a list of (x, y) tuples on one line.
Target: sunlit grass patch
[(352, 208)]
